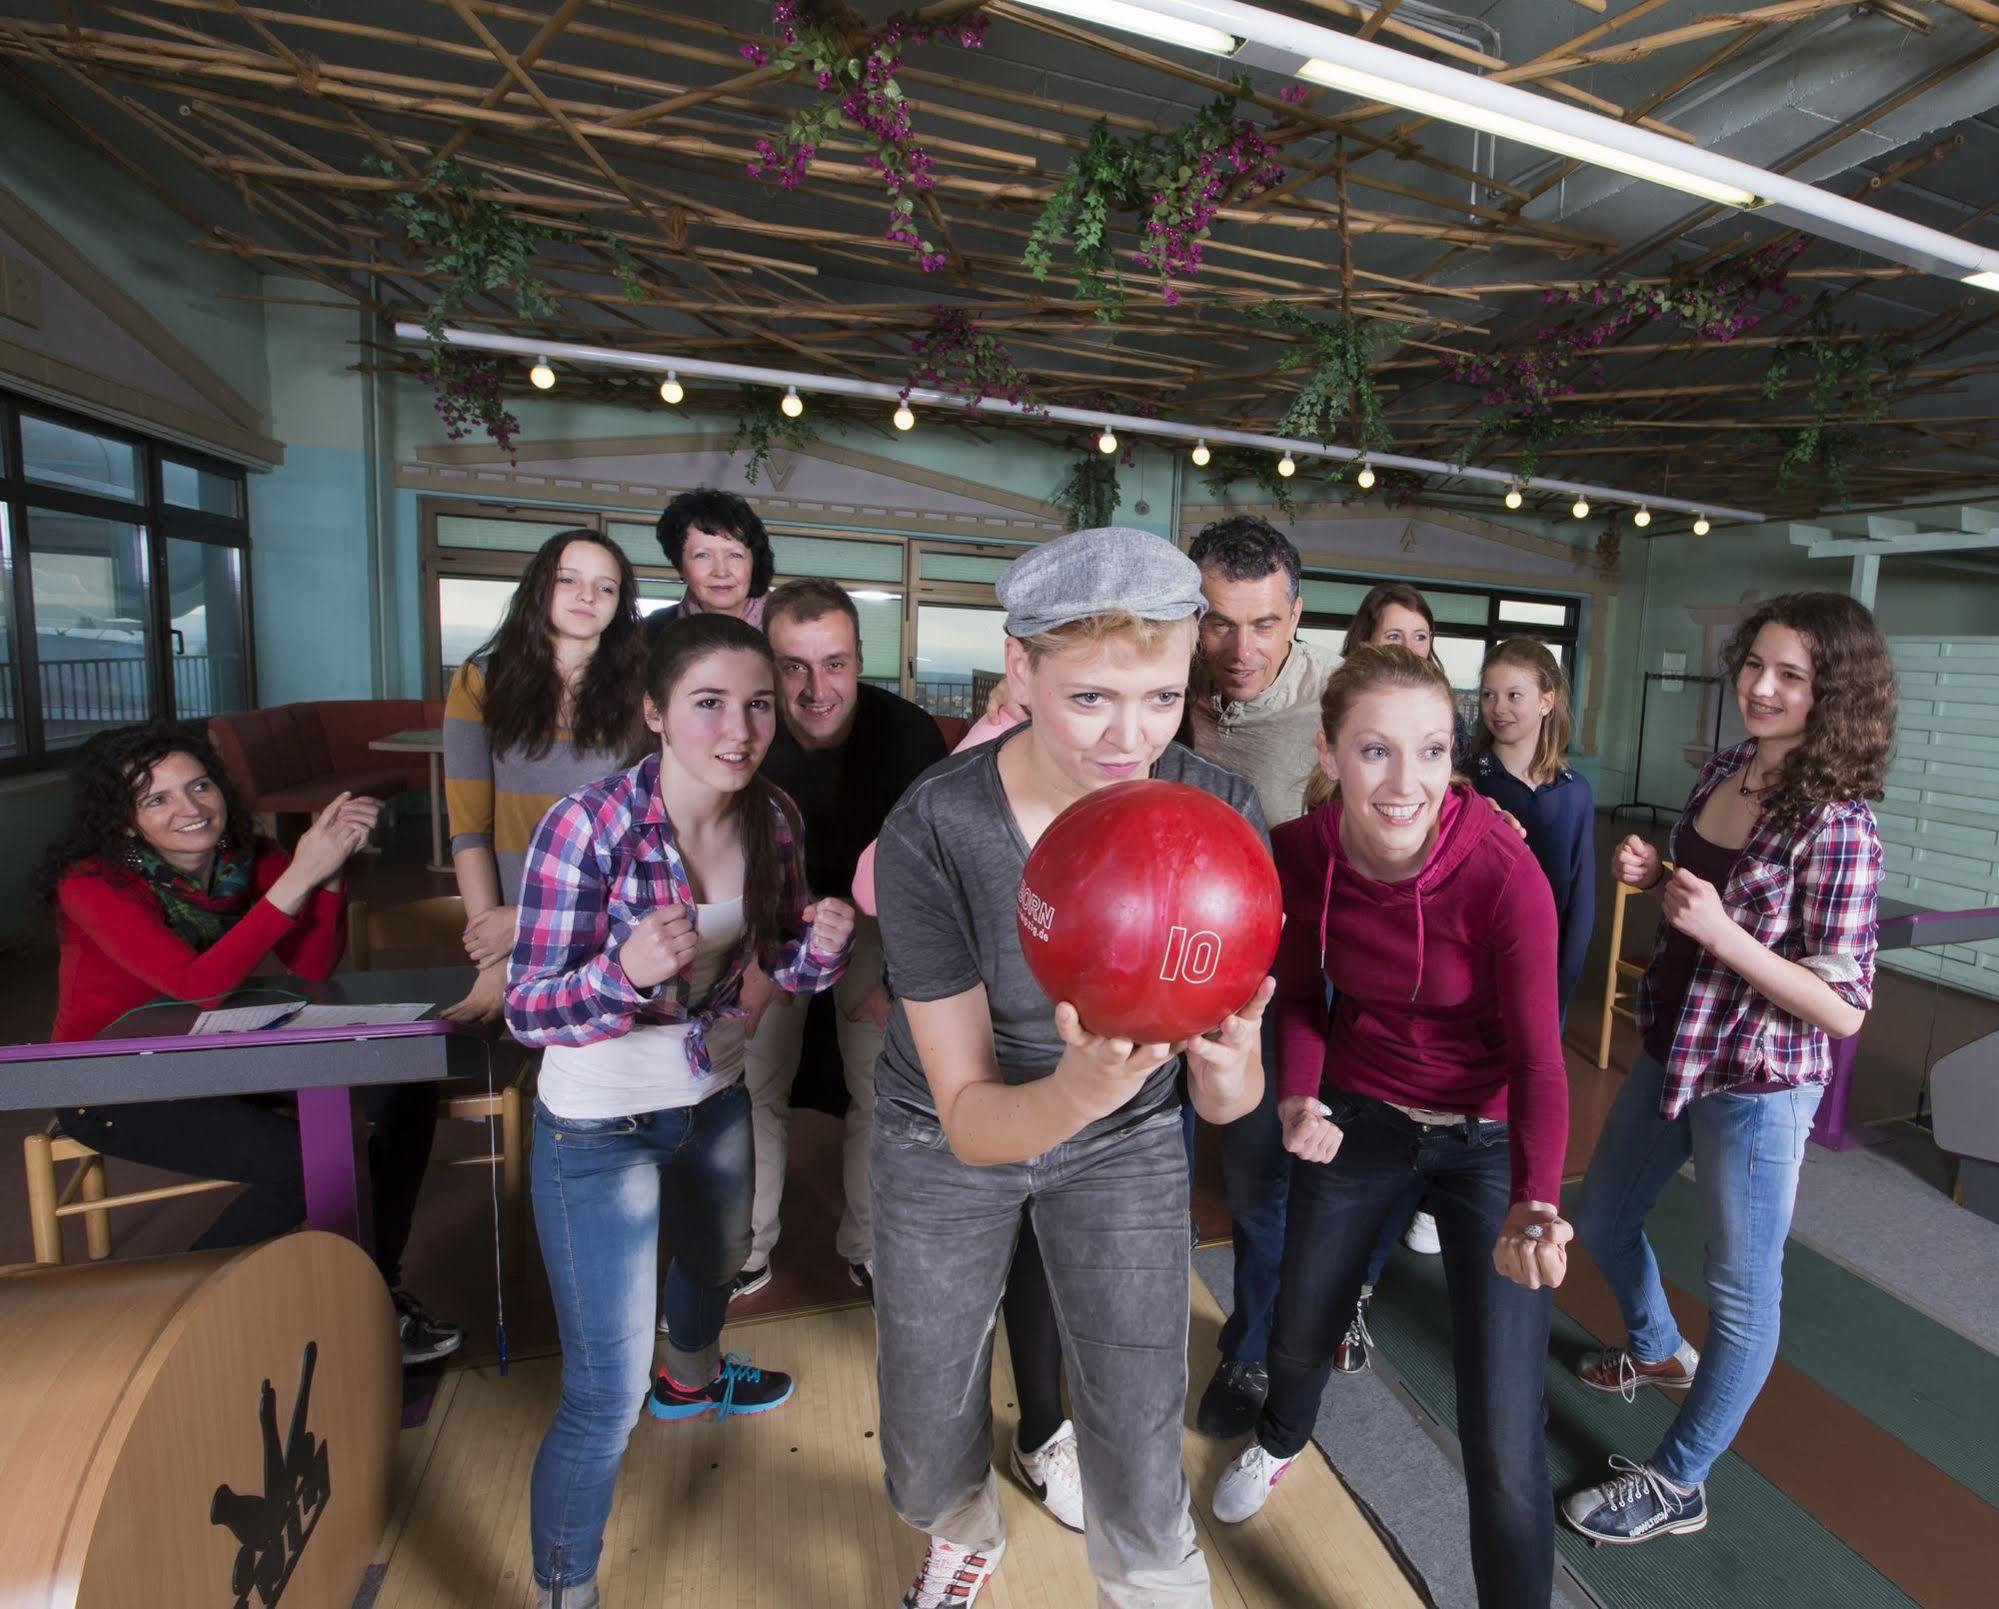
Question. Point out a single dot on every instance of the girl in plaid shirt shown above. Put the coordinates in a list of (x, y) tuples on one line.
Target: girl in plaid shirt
[(644, 899), (1765, 955)]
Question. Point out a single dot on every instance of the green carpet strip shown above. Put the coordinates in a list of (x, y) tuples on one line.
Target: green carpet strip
[(1925, 1385), (1759, 1546)]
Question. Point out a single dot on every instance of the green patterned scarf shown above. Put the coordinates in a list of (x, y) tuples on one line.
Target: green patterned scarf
[(199, 916)]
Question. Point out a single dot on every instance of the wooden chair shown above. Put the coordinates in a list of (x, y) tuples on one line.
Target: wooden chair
[(438, 923), (83, 1194), (1619, 1002)]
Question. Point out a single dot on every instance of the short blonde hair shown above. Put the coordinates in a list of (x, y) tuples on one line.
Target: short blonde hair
[(1143, 635)]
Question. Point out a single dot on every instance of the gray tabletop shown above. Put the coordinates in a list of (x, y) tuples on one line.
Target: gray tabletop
[(156, 1063)]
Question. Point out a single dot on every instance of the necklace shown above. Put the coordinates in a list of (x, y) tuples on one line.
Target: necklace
[(1748, 792)]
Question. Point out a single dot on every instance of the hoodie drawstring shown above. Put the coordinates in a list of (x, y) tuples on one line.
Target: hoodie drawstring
[(1418, 989)]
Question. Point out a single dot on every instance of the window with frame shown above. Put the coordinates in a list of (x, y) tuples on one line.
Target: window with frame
[(930, 621), (1470, 622), (124, 582)]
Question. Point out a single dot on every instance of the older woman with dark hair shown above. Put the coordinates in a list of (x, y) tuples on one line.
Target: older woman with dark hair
[(160, 887), (719, 546)]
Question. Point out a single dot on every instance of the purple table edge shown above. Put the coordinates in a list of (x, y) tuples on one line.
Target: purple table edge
[(1901, 927)]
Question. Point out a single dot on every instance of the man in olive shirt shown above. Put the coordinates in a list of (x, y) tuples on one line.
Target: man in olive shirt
[(844, 752)]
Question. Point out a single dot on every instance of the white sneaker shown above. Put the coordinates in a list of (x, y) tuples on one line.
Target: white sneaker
[(1053, 1475), (1246, 1483), (951, 1576), (1421, 1235)]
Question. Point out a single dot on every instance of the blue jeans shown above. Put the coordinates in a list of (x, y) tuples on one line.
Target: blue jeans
[(1747, 1150), (1499, 1330), (600, 1187)]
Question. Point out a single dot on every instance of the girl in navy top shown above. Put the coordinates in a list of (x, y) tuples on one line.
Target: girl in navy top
[(1518, 763)]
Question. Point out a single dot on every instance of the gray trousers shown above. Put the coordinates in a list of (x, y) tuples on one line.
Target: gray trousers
[(1111, 1216), (768, 1071)]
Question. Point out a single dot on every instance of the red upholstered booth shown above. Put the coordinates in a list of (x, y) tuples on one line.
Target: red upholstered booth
[(292, 759)]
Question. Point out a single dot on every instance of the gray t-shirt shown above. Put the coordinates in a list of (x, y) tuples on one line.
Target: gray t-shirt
[(947, 871)]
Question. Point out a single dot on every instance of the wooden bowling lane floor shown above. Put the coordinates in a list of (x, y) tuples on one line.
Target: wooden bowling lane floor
[(787, 1508)]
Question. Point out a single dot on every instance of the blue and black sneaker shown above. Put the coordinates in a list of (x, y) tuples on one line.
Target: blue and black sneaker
[(741, 1387), (1636, 1504)]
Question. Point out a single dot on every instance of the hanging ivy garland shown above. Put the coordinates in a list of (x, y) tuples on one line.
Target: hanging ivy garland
[(1520, 389), (1177, 180), (475, 246), (1228, 465), (1089, 493), (1338, 398), (856, 87), (761, 424), (1853, 380), (954, 355)]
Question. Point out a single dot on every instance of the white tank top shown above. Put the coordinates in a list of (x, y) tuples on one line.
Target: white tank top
[(646, 1070)]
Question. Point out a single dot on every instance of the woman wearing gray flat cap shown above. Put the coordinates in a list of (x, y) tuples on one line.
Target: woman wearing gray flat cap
[(997, 1106)]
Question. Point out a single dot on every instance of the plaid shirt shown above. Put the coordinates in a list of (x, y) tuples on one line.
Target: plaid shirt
[(1805, 892), (601, 861)]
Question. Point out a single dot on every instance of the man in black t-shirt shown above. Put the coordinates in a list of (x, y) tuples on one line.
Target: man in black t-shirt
[(845, 752)]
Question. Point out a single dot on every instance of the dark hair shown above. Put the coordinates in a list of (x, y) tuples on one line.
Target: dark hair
[(524, 696), (808, 600), (1245, 548), (677, 648), (1367, 618), (725, 514), (111, 768), (1361, 672), (1850, 731), (1557, 726)]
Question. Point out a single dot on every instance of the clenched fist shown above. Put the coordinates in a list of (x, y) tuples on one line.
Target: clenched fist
[(832, 927), (658, 946)]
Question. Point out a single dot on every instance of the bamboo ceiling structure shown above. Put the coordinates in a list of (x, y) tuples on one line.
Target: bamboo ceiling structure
[(279, 133)]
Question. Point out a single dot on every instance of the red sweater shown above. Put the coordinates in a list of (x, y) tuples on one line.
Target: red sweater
[(118, 952), (1444, 983)]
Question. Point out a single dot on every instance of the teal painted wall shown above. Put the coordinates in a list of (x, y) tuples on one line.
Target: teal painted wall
[(136, 239), (310, 518)]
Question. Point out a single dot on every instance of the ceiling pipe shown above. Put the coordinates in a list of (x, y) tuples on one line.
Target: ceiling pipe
[(1094, 418)]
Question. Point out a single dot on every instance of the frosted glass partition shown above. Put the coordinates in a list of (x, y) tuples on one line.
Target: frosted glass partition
[(1940, 821)]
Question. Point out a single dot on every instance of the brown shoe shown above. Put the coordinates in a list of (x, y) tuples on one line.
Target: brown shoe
[(1617, 1370)]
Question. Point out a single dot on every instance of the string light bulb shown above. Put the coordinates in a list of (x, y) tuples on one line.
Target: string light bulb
[(1580, 508), (1365, 478), (791, 405), (542, 375), (1513, 495), (1107, 443), (905, 419), (671, 390), (1642, 518), (1701, 526), (1287, 466), (1201, 455)]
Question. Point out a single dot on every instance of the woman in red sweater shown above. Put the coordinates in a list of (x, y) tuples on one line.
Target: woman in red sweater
[(161, 888), (1440, 1062)]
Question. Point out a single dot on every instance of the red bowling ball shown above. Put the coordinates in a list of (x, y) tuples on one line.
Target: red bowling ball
[(1152, 908)]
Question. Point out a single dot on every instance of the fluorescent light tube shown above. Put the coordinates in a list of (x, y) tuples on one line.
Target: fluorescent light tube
[(1428, 103), (1142, 20)]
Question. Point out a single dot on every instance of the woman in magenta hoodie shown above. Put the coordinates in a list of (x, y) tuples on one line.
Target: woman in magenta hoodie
[(1441, 1061)]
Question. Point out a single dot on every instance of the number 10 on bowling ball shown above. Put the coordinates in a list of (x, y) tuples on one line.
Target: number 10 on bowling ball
[(1152, 908)]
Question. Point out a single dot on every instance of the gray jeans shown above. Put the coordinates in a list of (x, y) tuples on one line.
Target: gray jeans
[(1111, 1216)]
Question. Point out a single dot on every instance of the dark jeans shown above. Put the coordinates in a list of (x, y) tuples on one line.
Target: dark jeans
[(600, 1187), (250, 1140), (1499, 1329), (1256, 1177)]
